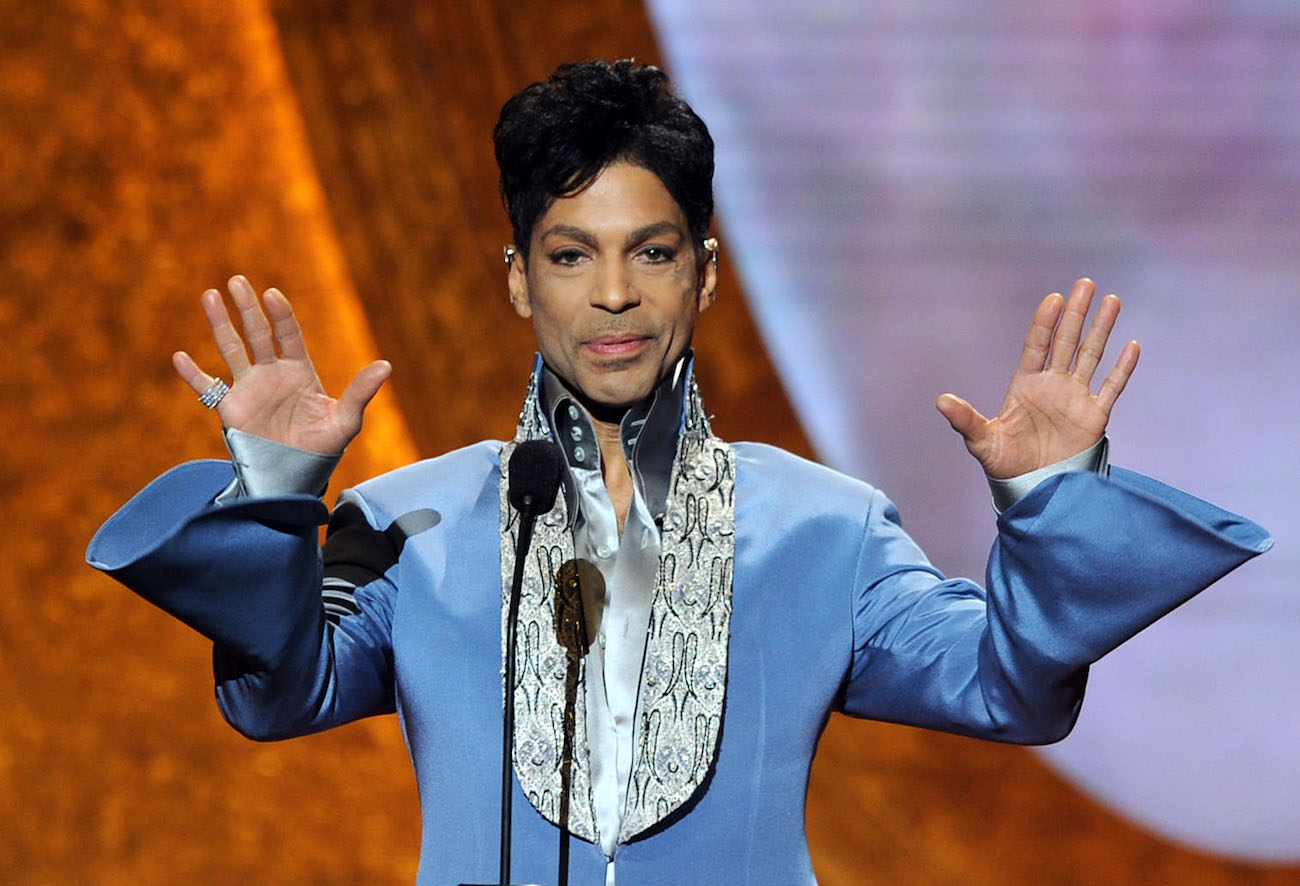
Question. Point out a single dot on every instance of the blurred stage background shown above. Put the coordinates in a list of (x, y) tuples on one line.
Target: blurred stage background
[(898, 185)]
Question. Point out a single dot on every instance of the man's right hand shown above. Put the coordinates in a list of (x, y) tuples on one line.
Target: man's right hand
[(277, 395)]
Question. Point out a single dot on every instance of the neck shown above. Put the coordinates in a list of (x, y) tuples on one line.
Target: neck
[(614, 466), (657, 422)]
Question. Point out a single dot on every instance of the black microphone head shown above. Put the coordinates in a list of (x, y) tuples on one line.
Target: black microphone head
[(535, 468)]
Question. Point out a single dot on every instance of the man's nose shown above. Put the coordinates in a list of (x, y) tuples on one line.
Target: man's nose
[(614, 290)]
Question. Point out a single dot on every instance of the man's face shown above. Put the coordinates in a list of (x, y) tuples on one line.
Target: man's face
[(613, 286)]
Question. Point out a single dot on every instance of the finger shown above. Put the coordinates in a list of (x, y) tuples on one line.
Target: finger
[(257, 332), (1114, 384), (363, 387), (190, 373), (288, 335), (229, 344), (1038, 340), (1066, 340), (1098, 334), (964, 418)]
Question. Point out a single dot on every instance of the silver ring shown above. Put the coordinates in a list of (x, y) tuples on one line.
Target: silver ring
[(212, 396)]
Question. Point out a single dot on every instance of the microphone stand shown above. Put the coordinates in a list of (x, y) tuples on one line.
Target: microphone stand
[(508, 720), (535, 468), (526, 517), (571, 632), (566, 765)]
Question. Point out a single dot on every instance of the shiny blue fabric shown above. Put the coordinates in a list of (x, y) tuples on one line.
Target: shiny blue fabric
[(834, 608)]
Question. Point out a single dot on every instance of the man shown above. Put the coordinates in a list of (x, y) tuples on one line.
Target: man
[(735, 594)]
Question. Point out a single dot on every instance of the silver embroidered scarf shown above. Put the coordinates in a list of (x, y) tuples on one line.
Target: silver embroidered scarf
[(684, 677)]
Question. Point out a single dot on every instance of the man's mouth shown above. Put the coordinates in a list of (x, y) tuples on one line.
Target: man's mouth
[(619, 345)]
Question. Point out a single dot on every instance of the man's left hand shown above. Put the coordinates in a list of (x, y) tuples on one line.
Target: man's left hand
[(1050, 412)]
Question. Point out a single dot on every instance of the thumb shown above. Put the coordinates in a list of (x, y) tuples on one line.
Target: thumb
[(964, 418), (363, 387)]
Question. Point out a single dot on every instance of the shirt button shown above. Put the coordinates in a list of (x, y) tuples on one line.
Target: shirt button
[(575, 432), (604, 552), (579, 455), (573, 412)]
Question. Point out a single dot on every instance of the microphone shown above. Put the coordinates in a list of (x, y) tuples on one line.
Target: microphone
[(535, 470)]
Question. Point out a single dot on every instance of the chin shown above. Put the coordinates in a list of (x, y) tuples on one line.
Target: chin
[(616, 397)]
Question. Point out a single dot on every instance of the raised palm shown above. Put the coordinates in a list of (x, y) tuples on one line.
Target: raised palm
[(1049, 412), (277, 393)]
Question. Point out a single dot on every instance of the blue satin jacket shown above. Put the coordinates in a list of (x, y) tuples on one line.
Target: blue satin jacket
[(834, 608)]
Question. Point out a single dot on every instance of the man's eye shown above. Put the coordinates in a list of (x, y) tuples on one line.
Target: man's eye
[(658, 254), (568, 257)]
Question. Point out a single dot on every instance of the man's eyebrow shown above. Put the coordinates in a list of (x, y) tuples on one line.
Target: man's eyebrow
[(640, 235), (573, 233), (655, 229)]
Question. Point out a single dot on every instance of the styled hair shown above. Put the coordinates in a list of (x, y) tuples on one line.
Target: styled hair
[(555, 137)]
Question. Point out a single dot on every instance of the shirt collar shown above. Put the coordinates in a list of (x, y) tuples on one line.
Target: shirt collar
[(648, 432)]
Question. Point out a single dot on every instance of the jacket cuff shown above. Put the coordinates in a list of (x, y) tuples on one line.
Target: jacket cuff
[(239, 573)]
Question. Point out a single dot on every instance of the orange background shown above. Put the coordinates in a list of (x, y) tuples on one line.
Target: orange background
[(341, 151)]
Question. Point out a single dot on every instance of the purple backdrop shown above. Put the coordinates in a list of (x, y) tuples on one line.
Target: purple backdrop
[(900, 183)]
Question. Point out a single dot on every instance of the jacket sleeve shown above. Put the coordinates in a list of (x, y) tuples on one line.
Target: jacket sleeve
[(302, 642), (1080, 564)]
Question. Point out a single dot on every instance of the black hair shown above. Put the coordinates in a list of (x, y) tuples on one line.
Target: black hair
[(553, 138)]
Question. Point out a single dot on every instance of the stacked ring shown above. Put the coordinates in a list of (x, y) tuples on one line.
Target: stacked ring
[(212, 396)]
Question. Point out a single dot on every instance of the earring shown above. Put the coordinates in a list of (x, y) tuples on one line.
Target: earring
[(510, 252), (711, 244)]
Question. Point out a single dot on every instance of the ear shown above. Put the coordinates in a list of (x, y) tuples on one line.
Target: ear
[(708, 276), (517, 284)]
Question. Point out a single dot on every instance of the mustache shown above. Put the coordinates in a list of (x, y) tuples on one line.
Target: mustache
[(615, 331)]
